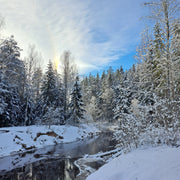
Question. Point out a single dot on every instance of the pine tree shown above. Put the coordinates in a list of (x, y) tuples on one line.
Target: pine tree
[(166, 12), (76, 105), (5, 94), (107, 106), (59, 100), (48, 92), (86, 90), (119, 77), (103, 82), (49, 86), (158, 41), (92, 85), (122, 103), (11, 82), (98, 85), (110, 78), (175, 51), (157, 70), (11, 66), (52, 95)]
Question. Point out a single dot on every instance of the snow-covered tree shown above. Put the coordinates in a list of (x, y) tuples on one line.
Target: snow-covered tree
[(166, 12), (91, 109), (68, 78), (36, 82), (175, 50), (110, 78), (31, 62), (52, 95), (76, 105), (11, 81), (49, 86), (86, 91), (107, 106)]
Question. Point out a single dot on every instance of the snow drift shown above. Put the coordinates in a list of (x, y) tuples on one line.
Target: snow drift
[(142, 164)]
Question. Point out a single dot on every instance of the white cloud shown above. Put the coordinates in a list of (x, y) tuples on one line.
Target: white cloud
[(96, 32)]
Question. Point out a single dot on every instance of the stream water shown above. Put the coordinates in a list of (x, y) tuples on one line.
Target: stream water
[(54, 162)]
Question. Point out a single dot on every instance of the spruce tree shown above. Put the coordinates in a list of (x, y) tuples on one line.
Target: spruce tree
[(49, 86), (48, 93), (52, 97), (175, 51), (76, 105), (11, 82)]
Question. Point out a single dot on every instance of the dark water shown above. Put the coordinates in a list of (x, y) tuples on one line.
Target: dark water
[(54, 162)]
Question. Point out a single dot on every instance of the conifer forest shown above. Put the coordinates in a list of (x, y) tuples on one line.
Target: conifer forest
[(143, 102), (142, 99)]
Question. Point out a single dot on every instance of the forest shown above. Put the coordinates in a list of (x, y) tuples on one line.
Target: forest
[(143, 101)]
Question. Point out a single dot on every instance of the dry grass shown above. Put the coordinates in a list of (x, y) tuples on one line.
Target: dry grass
[(52, 134)]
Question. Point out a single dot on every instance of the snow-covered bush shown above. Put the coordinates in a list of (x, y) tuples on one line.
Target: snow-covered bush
[(53, 117), (150, 125)]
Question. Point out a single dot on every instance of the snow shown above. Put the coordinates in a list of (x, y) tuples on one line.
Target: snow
[(142, 164), (18, 139)]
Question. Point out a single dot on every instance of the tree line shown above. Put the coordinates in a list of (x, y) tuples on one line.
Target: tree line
[(144, 101), (29, 96)]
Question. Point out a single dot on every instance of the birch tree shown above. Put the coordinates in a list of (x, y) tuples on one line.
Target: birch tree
[(69, 72), (31, 62)]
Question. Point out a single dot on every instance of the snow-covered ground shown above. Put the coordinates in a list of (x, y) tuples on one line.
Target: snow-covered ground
[(142, 164), (18, 139)]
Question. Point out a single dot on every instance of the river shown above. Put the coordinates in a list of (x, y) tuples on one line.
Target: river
[(55, 162)]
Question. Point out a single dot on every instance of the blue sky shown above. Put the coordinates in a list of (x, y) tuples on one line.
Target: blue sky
[(99, 33)]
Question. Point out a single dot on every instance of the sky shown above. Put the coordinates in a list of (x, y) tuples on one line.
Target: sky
[(98, 33)]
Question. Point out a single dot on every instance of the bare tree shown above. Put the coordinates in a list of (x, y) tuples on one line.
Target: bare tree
[(2, 22), (37, 81), (68, 75), (32, 60)]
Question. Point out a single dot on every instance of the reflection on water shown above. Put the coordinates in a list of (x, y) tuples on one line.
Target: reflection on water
[(59, 169), (53, 162)]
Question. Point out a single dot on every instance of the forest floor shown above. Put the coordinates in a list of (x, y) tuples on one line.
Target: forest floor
[(26, 138)]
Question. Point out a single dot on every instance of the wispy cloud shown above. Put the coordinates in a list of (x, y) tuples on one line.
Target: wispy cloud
[(96, 32)]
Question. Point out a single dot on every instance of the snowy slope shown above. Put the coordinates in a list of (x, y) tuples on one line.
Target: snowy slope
[(142, 164), (15, 139)]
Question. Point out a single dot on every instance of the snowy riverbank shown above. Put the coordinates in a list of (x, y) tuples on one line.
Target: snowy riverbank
[(20, 139), (142, 164)]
